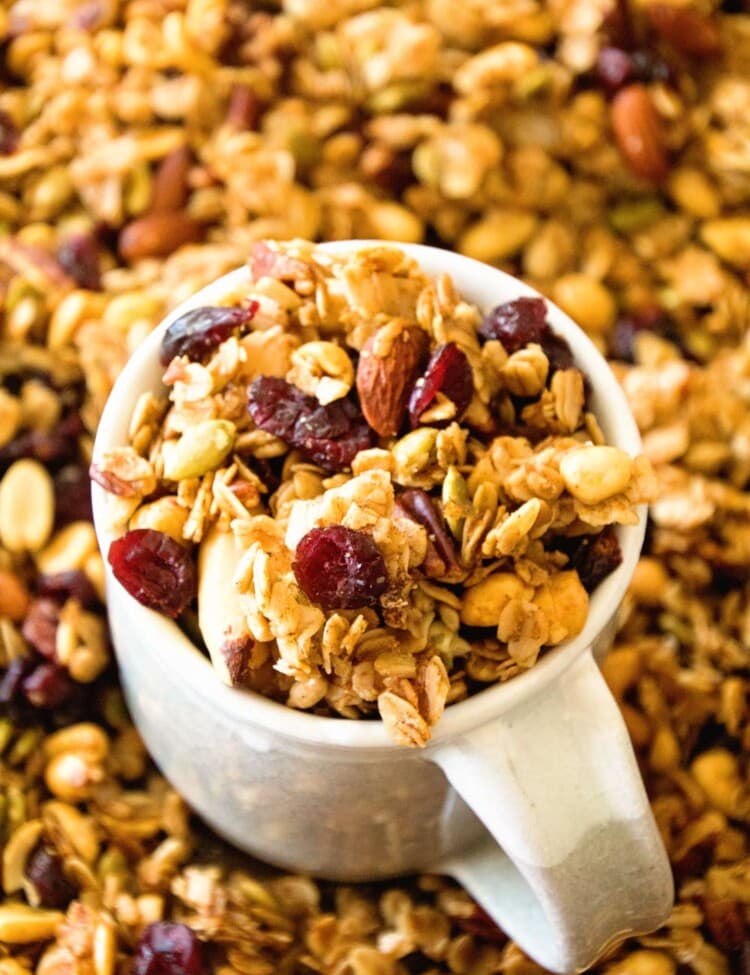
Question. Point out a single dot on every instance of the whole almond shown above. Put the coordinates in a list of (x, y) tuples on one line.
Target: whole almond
[(389, 365), (170, 185), (686, 29), (157, 235), (639, 132)]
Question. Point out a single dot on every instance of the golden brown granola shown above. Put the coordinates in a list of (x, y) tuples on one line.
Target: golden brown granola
[(480, 125)]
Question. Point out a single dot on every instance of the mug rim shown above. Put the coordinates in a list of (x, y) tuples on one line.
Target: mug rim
[(472, 278)]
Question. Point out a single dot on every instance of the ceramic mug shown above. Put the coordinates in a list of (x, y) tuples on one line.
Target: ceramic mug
[(529, 792)]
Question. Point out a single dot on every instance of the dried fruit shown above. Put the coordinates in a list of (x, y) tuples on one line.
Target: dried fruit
[(69, 584), (386, 372), (157, 235), (614, 68), (418, 506), (44, 869), (200, 330), (622, 339), (688, 30), (448, 372), (79, 257), (40, 626), (169, 949), (47, 686), (72, 495), (516, 323), (340, 568), (726, 921), (12, 678), (154, 569), (595, 557), (639, 132), (200, 449), (330, 435)]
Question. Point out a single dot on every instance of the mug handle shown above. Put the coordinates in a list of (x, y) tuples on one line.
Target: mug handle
[(574, 862)]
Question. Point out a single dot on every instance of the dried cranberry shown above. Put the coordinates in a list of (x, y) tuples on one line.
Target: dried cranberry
[(595, 557), (419, 506), (40, 626), (12, 679), (47, 686), (155, 569), (558, 353), (44, 869), (516, 323), (340, 568), (200, 330), (169, 949), (481, 925), (448, 372), (9, 134), (79, 257), (622, 340), (614, 68), (72, 583), (72, 495), (330, 435)]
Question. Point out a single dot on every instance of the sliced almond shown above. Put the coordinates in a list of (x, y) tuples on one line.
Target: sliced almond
[(389, 365), (220, 616)]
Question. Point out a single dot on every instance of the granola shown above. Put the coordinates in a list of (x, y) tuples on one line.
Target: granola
[(506, 153), (355, 537)]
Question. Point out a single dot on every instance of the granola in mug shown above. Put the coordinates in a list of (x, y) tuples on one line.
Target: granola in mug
[(382, 499)]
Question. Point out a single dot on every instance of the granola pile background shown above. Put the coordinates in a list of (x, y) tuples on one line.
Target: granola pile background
[(622, 192)]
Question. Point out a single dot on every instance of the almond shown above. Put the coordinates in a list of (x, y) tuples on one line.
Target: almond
[(686, 29), (170, 186), (157, 235), (389, 365), (639, 132)]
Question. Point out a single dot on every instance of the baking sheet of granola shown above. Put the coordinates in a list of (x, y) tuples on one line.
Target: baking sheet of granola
[(600, 152)]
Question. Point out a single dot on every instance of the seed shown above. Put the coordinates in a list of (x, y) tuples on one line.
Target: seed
[(593, 474), (201, 448), (27, 506)]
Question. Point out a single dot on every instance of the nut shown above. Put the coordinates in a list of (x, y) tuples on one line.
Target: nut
[(593, 474), (730, 239), (27, 506), (483, 604), (587, 301), (157, 235), (163, 515), (389, 365), (638, 131), (10, 417), (71, 547), (688, 30), (14, 597), (565, 603), (17, 851), (201, 448)]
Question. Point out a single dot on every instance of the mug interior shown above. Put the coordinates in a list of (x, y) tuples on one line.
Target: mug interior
[(486, 287)]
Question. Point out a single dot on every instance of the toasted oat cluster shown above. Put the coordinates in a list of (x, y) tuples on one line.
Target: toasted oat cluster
[(391, 499)]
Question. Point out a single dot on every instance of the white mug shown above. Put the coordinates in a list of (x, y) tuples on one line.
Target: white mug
[(529, 792)]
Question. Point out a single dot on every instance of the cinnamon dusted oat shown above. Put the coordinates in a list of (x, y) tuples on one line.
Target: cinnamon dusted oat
[(286, 141), (370, 523)]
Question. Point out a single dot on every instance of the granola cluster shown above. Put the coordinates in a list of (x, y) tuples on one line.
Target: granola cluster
[(371, 567), (599, 150)]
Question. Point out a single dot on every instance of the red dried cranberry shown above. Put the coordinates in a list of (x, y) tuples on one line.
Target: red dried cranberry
[(558, 353), (9, 134), (330, 435), (44, 869), (614, 68), (47, 686), (420, 508), (72, 583), (169, 949), (340, 568), (72, 495), (40, 626), (448, 372), (622, 340), (12, 679), (595, 557), (155, 569), (78, 256), (200, 330), (516, 323)]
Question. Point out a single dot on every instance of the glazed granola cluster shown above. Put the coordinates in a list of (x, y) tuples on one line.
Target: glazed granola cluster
[(597, 149), (368, 566)]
